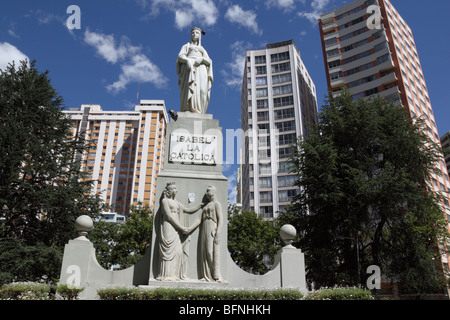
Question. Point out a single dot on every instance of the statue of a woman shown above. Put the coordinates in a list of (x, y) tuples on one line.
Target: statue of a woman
[(195, 75), (173, 231), (210, 233)]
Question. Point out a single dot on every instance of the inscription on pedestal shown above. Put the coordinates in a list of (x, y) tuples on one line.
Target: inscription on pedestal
[(193, 149)]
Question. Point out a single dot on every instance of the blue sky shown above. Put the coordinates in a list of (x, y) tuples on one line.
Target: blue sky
[(130, 44)]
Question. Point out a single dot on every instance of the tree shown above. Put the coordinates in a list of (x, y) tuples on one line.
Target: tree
[(364, 174), (42, 189), (250, 239), (123, 244)]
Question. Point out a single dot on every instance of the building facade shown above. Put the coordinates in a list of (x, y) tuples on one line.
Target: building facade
[(127, 151), (278, 100), (445, 142), (369, 48)]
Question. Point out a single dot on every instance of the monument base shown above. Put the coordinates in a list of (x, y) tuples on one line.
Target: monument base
[(193, 163)]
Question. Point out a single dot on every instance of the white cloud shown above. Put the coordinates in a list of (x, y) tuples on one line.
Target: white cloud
[(317, 9), (235, 69), (106, 46), (201, 12), (232, 185), (135, 66), (283, 4), (205, 10), (183, 19), (12, 31), (245, 18), (319, 4), (140, 69), (9, 53)]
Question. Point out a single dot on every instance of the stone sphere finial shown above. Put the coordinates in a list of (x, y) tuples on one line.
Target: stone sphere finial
[(83, 224), (288, 234)]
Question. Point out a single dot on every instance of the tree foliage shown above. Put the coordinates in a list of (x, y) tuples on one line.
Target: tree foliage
[(365, 175), (42, 189), (123, 244), (250, 239)]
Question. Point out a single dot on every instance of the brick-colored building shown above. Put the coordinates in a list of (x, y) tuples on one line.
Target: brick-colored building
[(127, 154)]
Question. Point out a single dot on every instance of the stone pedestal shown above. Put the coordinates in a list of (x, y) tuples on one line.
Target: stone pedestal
[(193, 161)]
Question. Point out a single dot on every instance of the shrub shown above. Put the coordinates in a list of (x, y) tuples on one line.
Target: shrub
[(132, 293), (67, 292), (26, 291), (340, 294)]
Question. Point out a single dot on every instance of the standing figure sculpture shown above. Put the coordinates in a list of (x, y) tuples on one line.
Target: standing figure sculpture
[(195, 75), (210, 233), (174, 236)]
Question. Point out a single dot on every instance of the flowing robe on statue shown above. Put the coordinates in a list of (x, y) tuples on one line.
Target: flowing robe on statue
[(195, 84), (170, 249), (174, 245), (209, 251), (170, 252)]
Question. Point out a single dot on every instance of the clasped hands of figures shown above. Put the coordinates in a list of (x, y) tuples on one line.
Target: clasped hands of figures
[(189, 230)]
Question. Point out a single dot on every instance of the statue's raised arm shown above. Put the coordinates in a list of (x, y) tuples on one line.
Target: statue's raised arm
[(195, 75)]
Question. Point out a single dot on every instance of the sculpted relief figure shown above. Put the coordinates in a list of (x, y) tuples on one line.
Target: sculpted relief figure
[(211, 226), (195, 75), (174, 242)]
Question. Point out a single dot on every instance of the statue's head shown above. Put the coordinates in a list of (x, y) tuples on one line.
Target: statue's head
[(211, 193), (170, 190), (196, 35)]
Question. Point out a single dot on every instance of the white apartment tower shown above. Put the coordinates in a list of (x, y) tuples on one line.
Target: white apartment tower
[(127, 151), (278, 100)]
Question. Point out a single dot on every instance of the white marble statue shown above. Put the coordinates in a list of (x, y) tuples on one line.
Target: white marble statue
[(195, 75), (210, 233), (174, 242)]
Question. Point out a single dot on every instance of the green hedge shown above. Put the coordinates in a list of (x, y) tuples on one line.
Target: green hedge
[(25, 291), (41, 291), (340, 294), (38, 291), (132, 293)]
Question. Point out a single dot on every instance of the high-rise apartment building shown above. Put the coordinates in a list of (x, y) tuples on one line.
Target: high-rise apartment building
[(445, 143), (369, 49), (127, 154), (278, 100)]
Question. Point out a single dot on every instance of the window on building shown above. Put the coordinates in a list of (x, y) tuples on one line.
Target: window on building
[(286, 66), (330, 42), (266, 211), (265, 196), (334, 64), (279, 56), (286, 89), (284, 113), (261, 81), (336, 75), (285, 166), (262, 92), (283, 101), (265, 182), (281, 78), (287, 181), (262, 104), (260, 59), (287, 195), (287, 139), (261, 70), (285, 126)]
